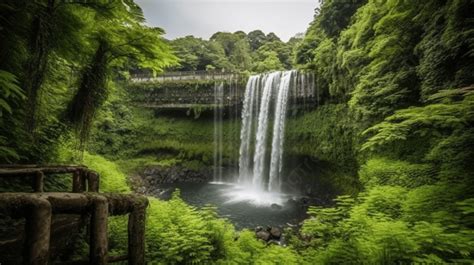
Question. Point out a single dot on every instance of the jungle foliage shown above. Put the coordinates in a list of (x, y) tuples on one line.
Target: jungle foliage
[(58, 60), (397, 108), (402, 71), (238, 51)]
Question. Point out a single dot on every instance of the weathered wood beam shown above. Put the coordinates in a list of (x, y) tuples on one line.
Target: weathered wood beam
[(38, 233), (38, 182), (39, 165), (12, 172), (136, 232), (80, 176), (98, 231), (93, 181), (37, 212), (135, 205), (38, 208)]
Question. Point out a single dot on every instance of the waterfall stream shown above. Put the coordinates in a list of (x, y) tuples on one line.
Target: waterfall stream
[(272, 103), (276, 163), (218, 136), (262, 133)]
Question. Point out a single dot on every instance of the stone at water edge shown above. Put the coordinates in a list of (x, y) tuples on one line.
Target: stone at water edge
[(263, 235), (274, 242), (275, 233), (276, 206), (305, 201), (268, 234)]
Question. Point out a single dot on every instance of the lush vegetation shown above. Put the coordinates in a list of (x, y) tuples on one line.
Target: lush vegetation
[(396, 121), (238, 51), (58, 61), (397, 79)]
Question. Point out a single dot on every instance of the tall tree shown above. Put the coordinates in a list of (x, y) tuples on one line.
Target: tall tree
[(121, 40)]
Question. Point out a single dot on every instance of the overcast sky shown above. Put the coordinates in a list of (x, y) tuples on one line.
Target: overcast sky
[(202, 18)]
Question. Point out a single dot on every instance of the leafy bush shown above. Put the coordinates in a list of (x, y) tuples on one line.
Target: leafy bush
[(387, 225), (111, 178), (383, 171), (177, 233), (328, 133)]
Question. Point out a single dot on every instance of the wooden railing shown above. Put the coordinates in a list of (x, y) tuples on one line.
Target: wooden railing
[(184, 75), (38, 208)]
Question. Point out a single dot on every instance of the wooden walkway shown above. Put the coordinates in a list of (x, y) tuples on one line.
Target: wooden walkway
[(84, 200)]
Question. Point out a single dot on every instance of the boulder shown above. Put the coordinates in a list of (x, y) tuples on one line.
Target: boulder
[(263, 235), (305, 201), (276, 206), (275, 233)]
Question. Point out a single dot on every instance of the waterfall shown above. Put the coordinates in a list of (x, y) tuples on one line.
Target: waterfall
[(249, 106), (261, 134), (218, 135), (265, 96), (276, 163), (265, 105)]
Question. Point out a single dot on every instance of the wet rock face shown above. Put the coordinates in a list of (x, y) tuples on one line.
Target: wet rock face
[(167, 175), (150, 180)]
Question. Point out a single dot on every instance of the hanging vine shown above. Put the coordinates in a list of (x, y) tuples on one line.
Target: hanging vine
[(91, 94)]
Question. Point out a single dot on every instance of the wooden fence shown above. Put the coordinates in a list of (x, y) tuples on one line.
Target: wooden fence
[(84, 199)]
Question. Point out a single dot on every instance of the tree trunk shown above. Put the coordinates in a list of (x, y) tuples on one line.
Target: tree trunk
[(40, 46)]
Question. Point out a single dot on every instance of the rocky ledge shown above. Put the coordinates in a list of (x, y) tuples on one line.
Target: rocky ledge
[(153, 176)]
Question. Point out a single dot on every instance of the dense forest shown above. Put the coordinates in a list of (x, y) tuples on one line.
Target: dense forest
[(393, 128), (238, 51)]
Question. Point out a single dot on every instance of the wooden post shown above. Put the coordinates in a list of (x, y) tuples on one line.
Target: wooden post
[(93, 181), (136, 233), (38, 230), (98, 231), (38, 182), (77, 181)]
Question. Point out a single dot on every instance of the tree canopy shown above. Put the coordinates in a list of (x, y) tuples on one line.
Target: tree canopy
[(59, 53), (236, 51)]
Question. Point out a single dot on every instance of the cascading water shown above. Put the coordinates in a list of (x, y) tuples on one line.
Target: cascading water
[(218, 137), (262, 134), (276, 162), (249, 106), (265, 100), (275, 86)]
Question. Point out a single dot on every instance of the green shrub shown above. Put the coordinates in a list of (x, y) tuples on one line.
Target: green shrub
[(328, 133), (111, 178), (177, 233), (382, 171)]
